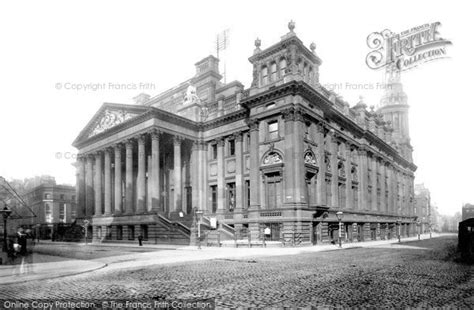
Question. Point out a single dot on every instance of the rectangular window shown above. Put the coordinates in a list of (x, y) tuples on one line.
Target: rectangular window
[(48, 213), (230, 195), (73, 197), (247, 191), (119, 232), (73, 211), (62, 212), (144, 231), (47, 196), (273, 130), (108, 232), (213, 151), (231, 150), (214, 198), (61, 196), (273, 69), (131, 232), (264, 75)]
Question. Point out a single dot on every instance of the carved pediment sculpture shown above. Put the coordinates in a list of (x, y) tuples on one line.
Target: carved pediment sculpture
[(272, 158), (111, 118)]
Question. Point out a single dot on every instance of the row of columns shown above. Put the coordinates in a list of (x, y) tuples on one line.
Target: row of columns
[(91, 187)]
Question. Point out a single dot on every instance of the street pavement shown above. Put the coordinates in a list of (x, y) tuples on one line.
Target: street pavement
[(371, 274)]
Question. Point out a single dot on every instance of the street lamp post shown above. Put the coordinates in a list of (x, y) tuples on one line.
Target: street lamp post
[(399, 223), (6, 213), (418, 224), (339, 217), (199, 215)]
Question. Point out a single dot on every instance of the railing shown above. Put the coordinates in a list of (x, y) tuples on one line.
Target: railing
[(227, 229), (292, 239), (180, 227)]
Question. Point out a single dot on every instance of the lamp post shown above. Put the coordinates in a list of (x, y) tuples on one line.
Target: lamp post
[(418, 224), (339, 217), (399, 224), (6, 213), (199, 215)]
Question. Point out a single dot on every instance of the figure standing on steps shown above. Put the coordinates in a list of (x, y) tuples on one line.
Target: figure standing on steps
[(140, 240)]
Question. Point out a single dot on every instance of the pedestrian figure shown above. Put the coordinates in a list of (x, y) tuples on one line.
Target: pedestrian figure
[(22, 242), (140, 240), (11, 255)]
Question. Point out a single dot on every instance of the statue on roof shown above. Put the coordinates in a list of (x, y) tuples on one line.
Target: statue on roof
[(191, 96)]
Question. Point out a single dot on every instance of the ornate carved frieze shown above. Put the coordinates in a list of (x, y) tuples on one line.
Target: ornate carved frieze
[(272, 158), (310, 158), (111, 118)]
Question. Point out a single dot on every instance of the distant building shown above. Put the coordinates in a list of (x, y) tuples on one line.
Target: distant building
[(467, 211), (52, 204), (422, 207)]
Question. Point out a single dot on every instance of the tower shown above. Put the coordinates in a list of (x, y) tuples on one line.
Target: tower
[(394, 109)]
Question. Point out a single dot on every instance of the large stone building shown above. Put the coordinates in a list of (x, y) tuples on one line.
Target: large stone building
[(282, 156)]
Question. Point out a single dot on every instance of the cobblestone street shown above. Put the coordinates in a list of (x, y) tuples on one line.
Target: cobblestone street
[(413, 274)]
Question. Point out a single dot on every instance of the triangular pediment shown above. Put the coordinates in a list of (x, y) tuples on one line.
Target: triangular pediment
[(109, 116)]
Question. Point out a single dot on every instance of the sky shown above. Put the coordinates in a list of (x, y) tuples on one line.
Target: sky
[(60, 60)]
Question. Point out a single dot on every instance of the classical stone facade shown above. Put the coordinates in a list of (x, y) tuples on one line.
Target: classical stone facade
[(278, 159)]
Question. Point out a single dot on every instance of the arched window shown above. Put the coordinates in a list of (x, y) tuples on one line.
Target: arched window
[(264, 75), (273, 71), (282, 67)]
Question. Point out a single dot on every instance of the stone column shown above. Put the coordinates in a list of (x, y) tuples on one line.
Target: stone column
[(155, 171), (348, 168), (334, 172), (383, 202), (300, 182), (194, 174), (220, 175), (129, 177), (98, 183), (202, 173), (254, 165), (141, 175), (321, 187), (89, 186), (363, 170), (118, 179), (239, 180), (290, 169), (80, 187), (177, 174), (374, 183), (107, 183)]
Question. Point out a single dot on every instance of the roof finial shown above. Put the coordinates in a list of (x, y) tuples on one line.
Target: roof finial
[(291, 25), (312, 46), (258, 42)]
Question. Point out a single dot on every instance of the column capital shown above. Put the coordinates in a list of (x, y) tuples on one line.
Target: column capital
[(299, 115), (108, 150), (155, 134), (220, 141), (141, 138), (118, 146), (253, 124), (289, 114), (129, 143), (177, 140), (238, 136), (98, 153), (362, 152)]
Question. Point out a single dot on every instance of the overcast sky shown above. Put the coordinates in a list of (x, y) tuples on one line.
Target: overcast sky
[(51, 48)]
